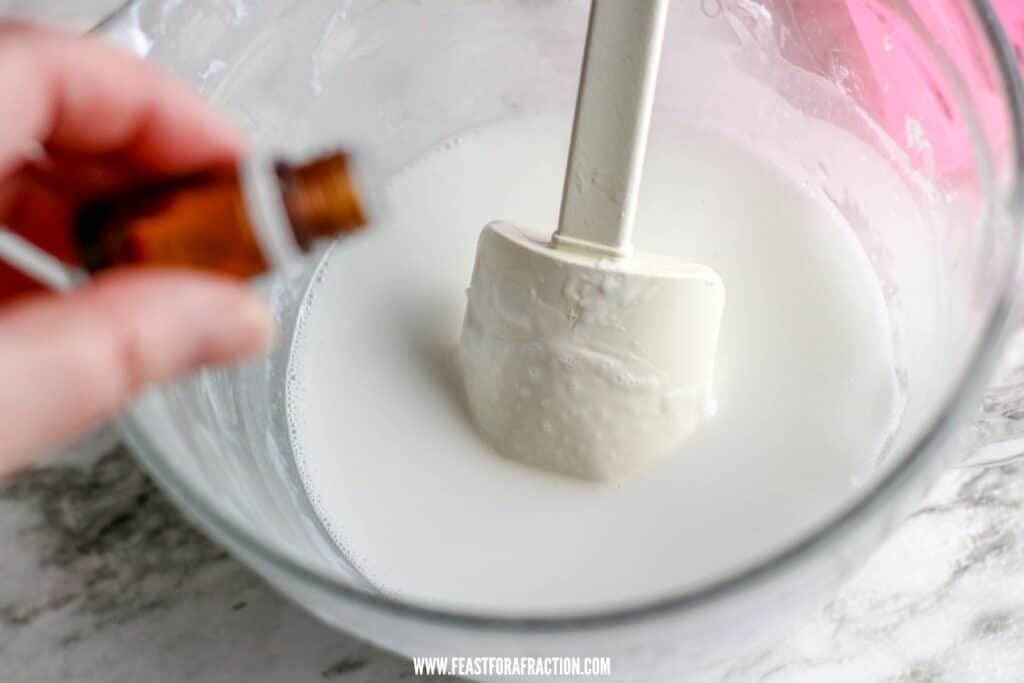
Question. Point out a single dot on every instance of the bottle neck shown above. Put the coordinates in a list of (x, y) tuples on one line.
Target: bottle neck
[(321, 198)]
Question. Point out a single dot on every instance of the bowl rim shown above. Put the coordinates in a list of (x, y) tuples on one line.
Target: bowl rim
[(959, 404)]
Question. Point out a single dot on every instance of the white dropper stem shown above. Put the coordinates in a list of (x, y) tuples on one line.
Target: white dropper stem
[(39, 265), (609, 136)]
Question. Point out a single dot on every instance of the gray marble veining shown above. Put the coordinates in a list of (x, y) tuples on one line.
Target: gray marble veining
[(104, 581)]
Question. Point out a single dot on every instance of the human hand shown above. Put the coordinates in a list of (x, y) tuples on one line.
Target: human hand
[(76, 117)]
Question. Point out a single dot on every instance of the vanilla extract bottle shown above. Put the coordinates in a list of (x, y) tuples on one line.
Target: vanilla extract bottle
[(239, 220)]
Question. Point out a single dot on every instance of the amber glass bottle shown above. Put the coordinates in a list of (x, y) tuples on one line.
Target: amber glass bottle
[(238, 220)]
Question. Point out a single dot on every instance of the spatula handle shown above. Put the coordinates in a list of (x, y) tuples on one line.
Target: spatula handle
[(609, 138)]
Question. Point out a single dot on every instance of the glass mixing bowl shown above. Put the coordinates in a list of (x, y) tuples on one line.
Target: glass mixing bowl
[(905, 115)]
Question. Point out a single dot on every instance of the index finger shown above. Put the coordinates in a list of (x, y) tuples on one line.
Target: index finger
[(81, 96)]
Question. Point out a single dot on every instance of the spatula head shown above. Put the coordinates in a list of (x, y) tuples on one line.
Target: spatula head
[(589, 367)]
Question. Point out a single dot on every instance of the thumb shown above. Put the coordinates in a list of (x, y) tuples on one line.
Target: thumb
[(67, 362)]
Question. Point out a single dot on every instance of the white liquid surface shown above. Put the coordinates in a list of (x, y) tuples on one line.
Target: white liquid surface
[(805, 386)]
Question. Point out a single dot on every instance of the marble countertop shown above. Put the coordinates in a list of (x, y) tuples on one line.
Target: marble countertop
[(102, 581)]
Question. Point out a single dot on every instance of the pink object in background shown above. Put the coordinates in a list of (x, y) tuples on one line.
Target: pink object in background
[(871, 48), (918, 103)]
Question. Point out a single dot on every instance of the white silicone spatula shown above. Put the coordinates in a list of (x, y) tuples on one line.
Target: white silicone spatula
[(579, 356), (609, 135)]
